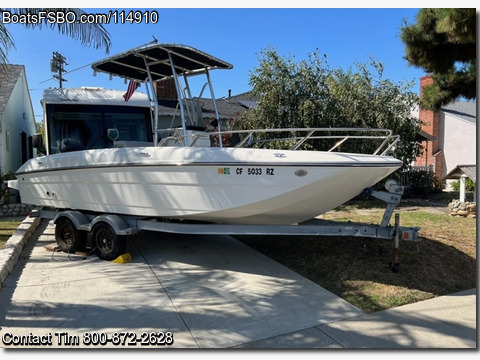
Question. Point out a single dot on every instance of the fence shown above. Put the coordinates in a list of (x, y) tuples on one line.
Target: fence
[(419, 178)]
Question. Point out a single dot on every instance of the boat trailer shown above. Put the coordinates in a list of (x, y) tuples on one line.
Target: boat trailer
[(107, 232)]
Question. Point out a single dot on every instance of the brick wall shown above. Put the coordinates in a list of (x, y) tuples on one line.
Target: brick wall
[(430, 119), (166, 90)]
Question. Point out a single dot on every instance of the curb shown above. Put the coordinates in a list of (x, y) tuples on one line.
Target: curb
[(14, 246)]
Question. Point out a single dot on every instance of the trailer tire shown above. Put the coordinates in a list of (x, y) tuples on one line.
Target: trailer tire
[(108, 245), (69, 239)]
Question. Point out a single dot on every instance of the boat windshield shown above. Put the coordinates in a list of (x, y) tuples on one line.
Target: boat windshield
[(83, 127)]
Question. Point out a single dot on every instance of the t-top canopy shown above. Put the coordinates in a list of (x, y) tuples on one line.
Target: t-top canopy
[(134, 64)]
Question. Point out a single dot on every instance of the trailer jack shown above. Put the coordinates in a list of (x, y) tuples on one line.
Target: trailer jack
[(393, 198)]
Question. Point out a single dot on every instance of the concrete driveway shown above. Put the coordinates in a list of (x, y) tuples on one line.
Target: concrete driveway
[(200, 291)]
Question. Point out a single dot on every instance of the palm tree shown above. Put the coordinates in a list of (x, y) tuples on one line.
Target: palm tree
[(89, 34)]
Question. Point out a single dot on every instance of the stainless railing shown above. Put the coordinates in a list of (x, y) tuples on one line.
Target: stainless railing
[(294, 138)]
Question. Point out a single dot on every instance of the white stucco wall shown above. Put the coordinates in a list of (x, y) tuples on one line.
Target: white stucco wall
[(459, 142), (17, 117)]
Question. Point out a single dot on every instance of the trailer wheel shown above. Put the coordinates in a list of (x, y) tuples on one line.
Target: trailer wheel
[(68, 238), (108, 245)]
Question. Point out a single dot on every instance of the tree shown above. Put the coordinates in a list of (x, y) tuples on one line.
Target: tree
[(290, 93), (310, 94), (443, 42), (89, 34), (365, 99)]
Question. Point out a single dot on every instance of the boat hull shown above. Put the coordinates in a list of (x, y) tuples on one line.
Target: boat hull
[(221, 185)]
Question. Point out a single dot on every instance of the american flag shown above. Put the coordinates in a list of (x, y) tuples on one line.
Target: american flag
[(132, 86)]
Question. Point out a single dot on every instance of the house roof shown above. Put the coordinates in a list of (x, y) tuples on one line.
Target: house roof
[(469, 170), (424, 136), (7, 83), (231, 107), (466, 110), (228, 108)]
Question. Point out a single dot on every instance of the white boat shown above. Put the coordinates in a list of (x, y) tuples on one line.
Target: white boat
[(124, 163)]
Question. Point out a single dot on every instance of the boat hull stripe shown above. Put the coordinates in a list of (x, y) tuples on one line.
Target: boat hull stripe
[(222, 164)]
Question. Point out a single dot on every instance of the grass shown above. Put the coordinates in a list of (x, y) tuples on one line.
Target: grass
[(7, 228), (357, 269)]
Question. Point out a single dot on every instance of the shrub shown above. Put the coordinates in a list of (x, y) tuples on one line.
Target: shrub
[(415, 181), (4, 190), (469, 185)]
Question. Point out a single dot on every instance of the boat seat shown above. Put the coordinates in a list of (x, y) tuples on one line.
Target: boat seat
[(70, 144)]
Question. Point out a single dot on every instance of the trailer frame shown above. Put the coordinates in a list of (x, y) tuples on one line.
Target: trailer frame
[(108, 232)]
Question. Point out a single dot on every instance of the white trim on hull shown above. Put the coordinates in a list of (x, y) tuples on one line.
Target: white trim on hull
[(223, 185)]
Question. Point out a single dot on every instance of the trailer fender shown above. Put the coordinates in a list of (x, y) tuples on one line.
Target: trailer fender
[(118, 224), (77, 218)]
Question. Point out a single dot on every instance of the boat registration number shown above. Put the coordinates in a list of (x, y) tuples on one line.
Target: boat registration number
[(255, 171)]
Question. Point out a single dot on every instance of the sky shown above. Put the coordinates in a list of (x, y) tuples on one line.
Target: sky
[(236, 35)]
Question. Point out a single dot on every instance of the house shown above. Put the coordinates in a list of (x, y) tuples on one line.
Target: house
[(229, 108), (17, 121), (453, 131)]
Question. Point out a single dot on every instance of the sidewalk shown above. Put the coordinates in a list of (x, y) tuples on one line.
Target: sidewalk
[(443, 322)]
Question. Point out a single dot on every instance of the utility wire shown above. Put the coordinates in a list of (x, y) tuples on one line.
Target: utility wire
[(67, 72)]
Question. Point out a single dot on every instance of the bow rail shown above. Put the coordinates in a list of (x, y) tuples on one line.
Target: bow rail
[(292, 138)]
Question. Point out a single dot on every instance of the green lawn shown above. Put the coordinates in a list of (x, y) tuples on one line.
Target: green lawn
[(7, 228), (357, 269)]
